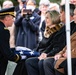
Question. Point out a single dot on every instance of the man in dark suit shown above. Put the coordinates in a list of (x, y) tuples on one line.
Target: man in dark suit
[(50, 61), (6, 20), (63, 63)]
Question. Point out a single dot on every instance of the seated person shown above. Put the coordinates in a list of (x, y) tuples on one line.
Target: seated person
[(49, 62), (61, 57), (5, 51), (48, 43)]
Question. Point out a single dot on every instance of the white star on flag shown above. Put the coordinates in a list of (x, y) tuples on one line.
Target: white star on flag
[(32, 52), (21, 52)]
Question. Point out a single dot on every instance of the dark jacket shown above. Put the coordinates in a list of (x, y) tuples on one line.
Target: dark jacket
[(17, 8), (56, 42), (27, 35), (59, 40), (5, 51), (61, 62)]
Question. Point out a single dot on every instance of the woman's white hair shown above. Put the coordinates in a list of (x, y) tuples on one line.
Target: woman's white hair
[(7, 3), (45, 2), (52, 5)]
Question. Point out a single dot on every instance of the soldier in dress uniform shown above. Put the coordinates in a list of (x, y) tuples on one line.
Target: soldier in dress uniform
[(6, 20)]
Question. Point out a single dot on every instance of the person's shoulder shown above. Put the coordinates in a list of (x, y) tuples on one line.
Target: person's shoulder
[(73, 23), (17, 8), (3, 29), (1, 26)]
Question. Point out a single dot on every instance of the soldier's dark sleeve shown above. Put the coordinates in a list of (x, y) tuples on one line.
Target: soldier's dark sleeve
[(5, 47)]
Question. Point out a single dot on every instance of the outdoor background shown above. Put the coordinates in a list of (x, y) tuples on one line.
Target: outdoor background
[(15, 1)]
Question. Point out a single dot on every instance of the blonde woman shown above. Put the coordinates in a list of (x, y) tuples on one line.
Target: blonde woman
[(34, 65)]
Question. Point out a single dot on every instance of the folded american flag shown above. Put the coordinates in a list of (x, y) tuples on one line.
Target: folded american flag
[(26, 51)]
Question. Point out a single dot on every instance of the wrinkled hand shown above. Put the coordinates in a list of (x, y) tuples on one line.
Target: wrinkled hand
[(42, 56), (57, 56), (65, 55)]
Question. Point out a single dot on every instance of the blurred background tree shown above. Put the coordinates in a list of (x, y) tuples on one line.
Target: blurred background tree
[(15, 1), (55, 1)]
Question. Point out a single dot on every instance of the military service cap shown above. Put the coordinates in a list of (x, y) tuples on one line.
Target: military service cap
[(7, 11)]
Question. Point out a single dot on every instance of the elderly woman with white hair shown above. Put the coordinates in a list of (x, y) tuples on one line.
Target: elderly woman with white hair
[(43, 7), (7, 4), (54, 6)]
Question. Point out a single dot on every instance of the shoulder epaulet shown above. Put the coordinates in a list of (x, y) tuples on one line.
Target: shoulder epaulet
[(5, 28)]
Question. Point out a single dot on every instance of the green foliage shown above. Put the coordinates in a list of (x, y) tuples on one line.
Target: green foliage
[(15, 1), (55, 1)]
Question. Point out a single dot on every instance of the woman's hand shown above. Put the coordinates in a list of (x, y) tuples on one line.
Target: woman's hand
[(42, 56)]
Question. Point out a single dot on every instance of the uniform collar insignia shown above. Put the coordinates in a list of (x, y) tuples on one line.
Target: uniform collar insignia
[(5, 28)]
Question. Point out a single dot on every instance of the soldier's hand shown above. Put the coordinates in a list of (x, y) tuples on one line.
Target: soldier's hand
[(23, 57)]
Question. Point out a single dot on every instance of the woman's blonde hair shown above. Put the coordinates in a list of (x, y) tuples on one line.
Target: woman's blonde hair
[(55, 16)]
